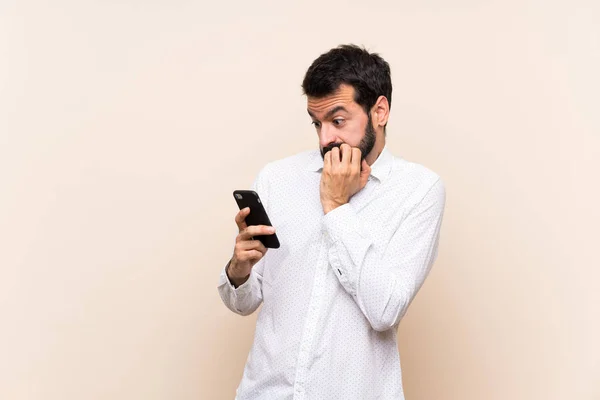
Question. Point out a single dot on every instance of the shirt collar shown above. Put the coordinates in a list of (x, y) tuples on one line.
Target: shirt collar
[(380, 169)]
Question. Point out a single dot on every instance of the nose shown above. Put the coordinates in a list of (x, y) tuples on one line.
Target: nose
[(326, 135)]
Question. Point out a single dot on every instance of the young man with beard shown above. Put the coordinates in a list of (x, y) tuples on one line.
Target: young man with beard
[(359, 231)]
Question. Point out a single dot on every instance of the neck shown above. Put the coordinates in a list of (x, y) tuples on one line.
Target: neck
[(374, 154)]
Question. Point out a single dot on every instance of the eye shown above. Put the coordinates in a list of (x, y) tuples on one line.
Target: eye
[(338, 121), (317, 124)]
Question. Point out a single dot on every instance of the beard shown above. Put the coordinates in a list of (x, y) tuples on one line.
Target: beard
[(366, 144)]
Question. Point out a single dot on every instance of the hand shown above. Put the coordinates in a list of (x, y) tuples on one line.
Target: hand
[(247, 251), (342, 177)]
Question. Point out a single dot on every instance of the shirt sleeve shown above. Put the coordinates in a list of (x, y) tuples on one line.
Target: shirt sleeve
[(384, 282), (246, 298)]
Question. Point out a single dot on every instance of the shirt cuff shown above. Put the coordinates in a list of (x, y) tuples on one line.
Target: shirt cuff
[(240, 290), (340, 221), (348, 246)]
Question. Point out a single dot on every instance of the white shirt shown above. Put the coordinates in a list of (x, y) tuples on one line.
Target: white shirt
[(334, 292)]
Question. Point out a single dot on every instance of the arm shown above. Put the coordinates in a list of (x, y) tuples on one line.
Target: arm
[(384, 282), (244, 295)]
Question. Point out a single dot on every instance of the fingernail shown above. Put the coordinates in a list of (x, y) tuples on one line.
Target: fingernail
[(271, 229)]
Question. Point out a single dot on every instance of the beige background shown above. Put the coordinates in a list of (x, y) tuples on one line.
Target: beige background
[(125, 126)]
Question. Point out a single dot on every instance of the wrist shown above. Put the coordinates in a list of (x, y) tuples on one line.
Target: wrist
[(235, 280), (331, 205)]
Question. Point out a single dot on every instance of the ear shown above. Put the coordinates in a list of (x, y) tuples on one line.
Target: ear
[(381, 111)]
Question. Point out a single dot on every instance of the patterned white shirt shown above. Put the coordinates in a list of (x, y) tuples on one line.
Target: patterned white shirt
[(334, 292)]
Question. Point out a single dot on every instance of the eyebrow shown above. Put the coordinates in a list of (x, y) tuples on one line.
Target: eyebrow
[(330, 112)]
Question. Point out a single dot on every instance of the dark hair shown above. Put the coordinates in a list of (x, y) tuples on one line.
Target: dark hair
[(367, 73)]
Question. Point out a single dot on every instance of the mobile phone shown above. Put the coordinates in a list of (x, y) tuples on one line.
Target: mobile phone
[(257, 216)]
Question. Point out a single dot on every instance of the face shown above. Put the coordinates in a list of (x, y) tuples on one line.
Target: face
[(339, 119)]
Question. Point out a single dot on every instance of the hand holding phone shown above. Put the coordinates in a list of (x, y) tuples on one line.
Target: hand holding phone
[(257, 216), (255, 236)]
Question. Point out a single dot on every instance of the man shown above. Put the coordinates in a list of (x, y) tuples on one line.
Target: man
[(359, 233)]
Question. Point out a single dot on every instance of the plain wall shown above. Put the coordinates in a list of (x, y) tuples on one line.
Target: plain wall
[(126, 125)]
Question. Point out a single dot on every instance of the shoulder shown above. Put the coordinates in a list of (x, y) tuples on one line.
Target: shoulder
[(298, 160), (417, 179), (291, 164)]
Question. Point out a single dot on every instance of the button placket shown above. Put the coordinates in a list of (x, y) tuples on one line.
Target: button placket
[(311, 320)]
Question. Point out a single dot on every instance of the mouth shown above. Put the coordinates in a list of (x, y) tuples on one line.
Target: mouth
[(330, 147)]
